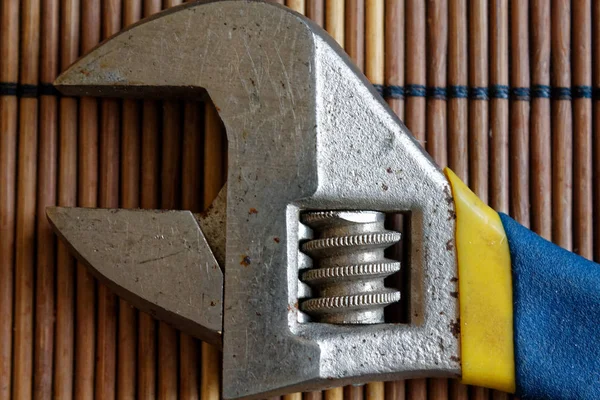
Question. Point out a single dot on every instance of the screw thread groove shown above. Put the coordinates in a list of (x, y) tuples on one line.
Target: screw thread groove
[(348, 255)]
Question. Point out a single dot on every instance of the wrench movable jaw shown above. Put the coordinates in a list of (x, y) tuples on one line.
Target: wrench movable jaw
[(306, 131)]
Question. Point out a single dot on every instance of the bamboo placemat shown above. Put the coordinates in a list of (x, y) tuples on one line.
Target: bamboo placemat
[(504, 92)]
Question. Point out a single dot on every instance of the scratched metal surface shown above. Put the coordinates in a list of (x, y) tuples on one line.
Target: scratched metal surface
[(554, 119)]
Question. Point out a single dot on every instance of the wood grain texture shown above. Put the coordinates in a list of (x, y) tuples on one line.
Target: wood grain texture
[(519, 115), (9, 72), (458, 391), (354, 392), (416, 389), (297, 5), (395, 390), (478, 393), (354, 35), (499, 163), (108, 192), (46, 196), (317, 395), (375, 391), (334, 20), (394, 52), (67, 196), (415, 67), (315, 10), (22, 385), (581, 59), (562, 127), (85, 328), (437, 51), (65, 263), (458, 139), (540, 153), (478, 108)]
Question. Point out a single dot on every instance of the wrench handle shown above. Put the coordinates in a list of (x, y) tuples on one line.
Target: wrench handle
[(556, 309), (529, 309)]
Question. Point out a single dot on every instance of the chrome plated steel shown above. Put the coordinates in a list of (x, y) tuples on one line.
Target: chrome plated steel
[(349, 266)]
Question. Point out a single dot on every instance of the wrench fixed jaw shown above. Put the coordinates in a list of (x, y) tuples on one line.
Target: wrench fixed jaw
[(306, 131)]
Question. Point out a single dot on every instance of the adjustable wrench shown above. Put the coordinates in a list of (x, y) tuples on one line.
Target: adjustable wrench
[(287, 269)]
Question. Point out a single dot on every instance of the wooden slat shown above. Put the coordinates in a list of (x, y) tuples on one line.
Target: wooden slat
[(519, 115), (26, 204), (498, 150), (85, 328), (354, 35), (67, 196), (9, 72), (315, 10), (108, 191), (334, 19), (541, 179), (415, 67), (458, 139), (46, 196), (394, 52), (581, 58), (562, 127), (478, 107)]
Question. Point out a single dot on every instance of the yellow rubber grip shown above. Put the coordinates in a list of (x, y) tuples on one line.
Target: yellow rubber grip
[(485, 292)]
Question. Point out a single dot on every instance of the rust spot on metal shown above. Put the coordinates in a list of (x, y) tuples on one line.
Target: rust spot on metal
[(451, 214), (384, 187), (455, 328), (389, 170), (454, 294), (246, 261), (454, 279), (455, 359), (448, 193), (449, 245), (276, 240), (252, 211), (212, 304), (218, 109)]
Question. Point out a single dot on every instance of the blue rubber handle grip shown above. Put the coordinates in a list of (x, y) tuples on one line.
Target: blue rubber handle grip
[(556, 318)]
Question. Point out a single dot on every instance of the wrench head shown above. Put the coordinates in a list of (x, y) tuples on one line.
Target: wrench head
[(306, 131)]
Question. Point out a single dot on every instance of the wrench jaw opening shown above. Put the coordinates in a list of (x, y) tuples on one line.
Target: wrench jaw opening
[(306, 132)]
